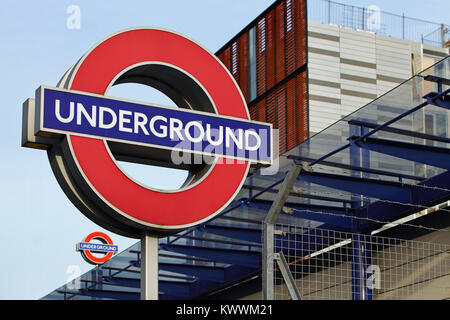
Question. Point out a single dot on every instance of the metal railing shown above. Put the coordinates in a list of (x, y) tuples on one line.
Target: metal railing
[(375, 20), (333, 265)]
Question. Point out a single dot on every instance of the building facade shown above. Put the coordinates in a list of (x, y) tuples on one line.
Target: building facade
[(304, 84), (268, 59), (349, 68)]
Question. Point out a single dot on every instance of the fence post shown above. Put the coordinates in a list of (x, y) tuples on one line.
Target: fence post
[(363, 22), (360, 261), (269, 228), (329, 11), (403, 26)]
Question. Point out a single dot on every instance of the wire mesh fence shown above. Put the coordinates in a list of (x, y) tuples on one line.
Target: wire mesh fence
[(334, 265), (373, 19)]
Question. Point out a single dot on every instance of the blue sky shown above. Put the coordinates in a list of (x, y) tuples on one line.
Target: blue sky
[(39, 225)]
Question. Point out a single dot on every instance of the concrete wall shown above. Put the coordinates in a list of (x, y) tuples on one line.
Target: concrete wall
[(349, 68)]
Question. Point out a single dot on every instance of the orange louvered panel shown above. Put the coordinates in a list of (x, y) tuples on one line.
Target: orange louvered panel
[(271, 110), (270, 50), (220, 56), (261, 57), (253, 112), (289, 38), (291, 124), (281, 116), (265, 60), (302, 107), (234, 67), (261, 111), (300, 32), (227, 58), (279, 42), (243, 64)]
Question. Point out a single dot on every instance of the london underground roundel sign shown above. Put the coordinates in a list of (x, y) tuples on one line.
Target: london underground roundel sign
[(106, 248), (86, 132)]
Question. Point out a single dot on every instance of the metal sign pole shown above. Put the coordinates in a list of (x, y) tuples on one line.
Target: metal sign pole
[(149, 267)]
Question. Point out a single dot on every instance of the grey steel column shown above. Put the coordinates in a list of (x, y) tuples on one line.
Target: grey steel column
[(149, 267), (267, 261), (268, 230)]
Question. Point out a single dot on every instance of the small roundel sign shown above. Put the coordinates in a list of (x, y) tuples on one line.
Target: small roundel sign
[(86, 132), (97, 242)]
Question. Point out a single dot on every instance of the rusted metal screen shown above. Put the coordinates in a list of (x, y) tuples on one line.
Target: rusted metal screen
[(268, 60)]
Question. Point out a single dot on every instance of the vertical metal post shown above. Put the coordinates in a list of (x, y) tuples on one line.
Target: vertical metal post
[(363, 18), (329, 11), (360, 262), (357, 269), (403, 25), (360, 255), (269, 228), (98, 279), (267, 261), (443, 35), (149, 267)]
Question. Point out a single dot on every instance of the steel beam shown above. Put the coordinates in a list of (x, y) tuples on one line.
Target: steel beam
[(326, 214), (433, 156), (233, 256), (241, 233), (436, 190), (268, 230), (299, 195), (382, 189), (403, 132), (105, 294), (211, 273), (357, 169), (438, 100), (334, 219)]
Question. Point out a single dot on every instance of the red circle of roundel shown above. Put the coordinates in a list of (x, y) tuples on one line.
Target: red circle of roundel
[(146, 206), (101, 236)]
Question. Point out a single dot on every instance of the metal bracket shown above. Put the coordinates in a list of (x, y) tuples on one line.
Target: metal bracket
[(288, 210), (303, 165), (279, 233)]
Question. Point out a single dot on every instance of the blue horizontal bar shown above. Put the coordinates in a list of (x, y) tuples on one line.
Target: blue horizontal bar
[(325, 214), (241, 233), (103, 294), (216, 274), (382, 189), (436, 191), (232, 256), (434, 156)]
